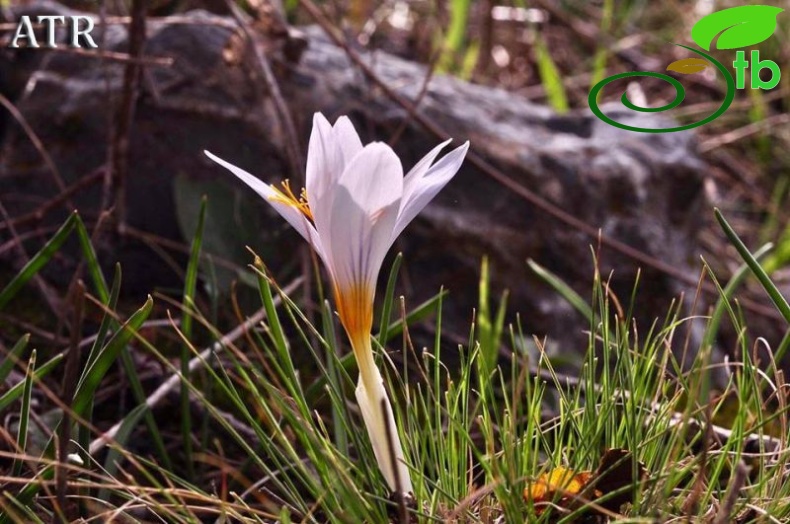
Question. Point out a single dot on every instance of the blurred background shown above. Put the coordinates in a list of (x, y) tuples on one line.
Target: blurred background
[(117, 133)]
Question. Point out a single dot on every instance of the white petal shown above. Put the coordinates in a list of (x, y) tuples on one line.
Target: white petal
[(330, 149), (346, 141), (321, 171), (364, 211), (424, 189), (292, 215), (413, 177)]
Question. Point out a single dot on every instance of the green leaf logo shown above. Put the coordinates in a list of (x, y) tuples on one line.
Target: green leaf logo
[(738, 26), (688, 66)]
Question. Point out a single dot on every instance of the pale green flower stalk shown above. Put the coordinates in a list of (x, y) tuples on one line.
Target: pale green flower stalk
[(356, 203)]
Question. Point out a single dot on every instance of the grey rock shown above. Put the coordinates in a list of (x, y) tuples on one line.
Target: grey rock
[(642, 189)]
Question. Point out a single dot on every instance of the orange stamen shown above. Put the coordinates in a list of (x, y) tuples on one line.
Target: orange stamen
[(286, 196)]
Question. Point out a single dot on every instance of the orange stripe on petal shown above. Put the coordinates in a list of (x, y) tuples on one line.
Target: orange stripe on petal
[(355, 308)]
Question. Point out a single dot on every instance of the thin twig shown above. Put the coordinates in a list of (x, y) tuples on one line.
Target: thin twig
[(152, 239), (119, 152), (19, 117), (291, 138), (159, 61), (63, 196), (770, 123)]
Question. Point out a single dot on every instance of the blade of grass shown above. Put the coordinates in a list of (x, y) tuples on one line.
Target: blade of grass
[(113, 459), (107, 320), (94, 270), (550, 77), (45, 254), (333, 374), (95, 372), (727, 293), (190, 285), (563, 289), (386, 310), (85, 391), (601, 54), (13, 357), (14, 392), (456, 34), (396, 328), (769, 287), (421, 312), (489, 329), (24, 414), (84, 433), (36, 262)]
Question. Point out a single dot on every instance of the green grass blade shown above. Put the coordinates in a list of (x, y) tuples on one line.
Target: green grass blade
[(24, 413), (489, 327), (278, 336), (95, 372), (139, 396), (550, 77), (13, 357), (386, 310), (456, 34), (770, 288), (563, 289), (421, 312), (14, 392), (333, 375), (602, 53), (94, 270), (83, 433), (113, 458), (29, 515), (190, 282), (107, 319), (38, 261), (190, 286), (727, 293)]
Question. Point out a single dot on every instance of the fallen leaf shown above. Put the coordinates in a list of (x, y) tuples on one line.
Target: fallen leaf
[(611, 481), (559, 481)]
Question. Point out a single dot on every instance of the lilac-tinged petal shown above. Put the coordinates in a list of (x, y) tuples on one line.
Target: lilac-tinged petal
[(321, 170), (330, 149), (364, 212), (419, 170), (294, 217), (346, 142), (426, 188)]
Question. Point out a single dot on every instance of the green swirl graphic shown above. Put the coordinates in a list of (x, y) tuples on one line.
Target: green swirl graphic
[(680, 94)]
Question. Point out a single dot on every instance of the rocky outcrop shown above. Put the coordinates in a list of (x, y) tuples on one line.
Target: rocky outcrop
[(642, 189)]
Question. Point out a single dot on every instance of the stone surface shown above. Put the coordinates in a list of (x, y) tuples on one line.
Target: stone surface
[(642, 189)]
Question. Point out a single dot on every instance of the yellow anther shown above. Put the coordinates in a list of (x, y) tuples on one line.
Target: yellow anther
[(287, 197)]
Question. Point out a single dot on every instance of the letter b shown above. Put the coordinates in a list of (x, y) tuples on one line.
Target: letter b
[(757, 66)]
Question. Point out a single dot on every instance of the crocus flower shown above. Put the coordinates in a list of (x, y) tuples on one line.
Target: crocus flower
[(356, 203)]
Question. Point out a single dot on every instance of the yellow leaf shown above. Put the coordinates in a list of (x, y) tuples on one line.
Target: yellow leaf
[(688, 66), (558, 480)]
